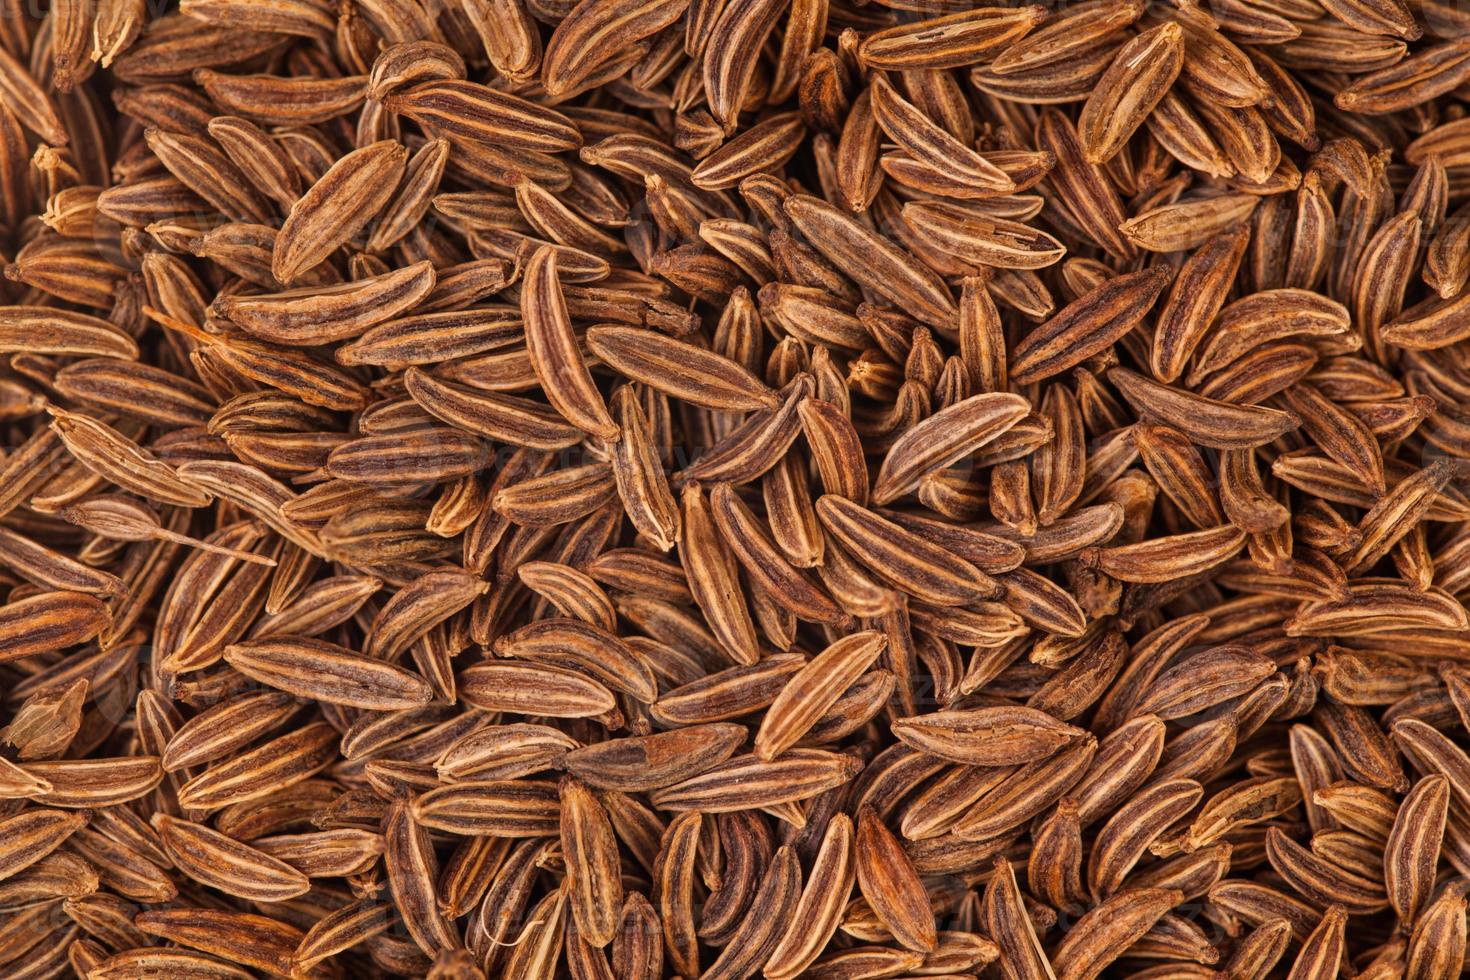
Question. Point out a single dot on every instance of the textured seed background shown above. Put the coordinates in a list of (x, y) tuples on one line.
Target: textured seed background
[(626, 489)]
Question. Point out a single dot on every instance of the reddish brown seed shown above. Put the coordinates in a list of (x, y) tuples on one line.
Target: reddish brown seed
[(892, 887)]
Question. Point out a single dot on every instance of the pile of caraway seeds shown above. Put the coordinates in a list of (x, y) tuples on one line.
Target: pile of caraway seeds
[(707, 489)]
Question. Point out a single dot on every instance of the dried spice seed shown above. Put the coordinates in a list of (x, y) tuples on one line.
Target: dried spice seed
[(650, 488)]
